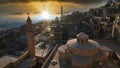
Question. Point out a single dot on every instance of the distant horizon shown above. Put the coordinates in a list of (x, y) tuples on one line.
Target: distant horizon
[(15, 14)]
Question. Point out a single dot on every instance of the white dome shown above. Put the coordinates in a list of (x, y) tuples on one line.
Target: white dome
[(82, 35)]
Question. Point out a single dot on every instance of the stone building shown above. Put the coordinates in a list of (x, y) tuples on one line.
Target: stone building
[(116, 29), (57, 31), (111, 8), (81, 52)]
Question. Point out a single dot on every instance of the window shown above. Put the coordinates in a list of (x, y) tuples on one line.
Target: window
[(82, 41)]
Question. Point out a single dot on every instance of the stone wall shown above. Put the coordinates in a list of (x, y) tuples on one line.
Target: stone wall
[(77, 65), (79, 52)]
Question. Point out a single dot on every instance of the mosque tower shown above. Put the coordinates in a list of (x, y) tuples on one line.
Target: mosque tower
[(61, 11), (30, 37)]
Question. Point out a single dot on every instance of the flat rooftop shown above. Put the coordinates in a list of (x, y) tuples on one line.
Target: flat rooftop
[(42, 52), (26, 63), (7, 59)]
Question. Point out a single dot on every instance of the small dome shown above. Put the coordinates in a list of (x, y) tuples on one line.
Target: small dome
[(82, 35)]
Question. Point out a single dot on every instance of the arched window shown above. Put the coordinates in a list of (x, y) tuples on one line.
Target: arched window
[(82, 41)]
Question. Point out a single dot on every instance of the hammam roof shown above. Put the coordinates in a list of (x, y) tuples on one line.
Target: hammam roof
[(87, 46)]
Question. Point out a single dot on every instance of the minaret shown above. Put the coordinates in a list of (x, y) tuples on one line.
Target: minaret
[(61, 11), (30, 37)]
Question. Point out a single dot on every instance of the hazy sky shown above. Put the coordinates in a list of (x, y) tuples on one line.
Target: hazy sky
[(14, 11), (23, 6), (75, 1)]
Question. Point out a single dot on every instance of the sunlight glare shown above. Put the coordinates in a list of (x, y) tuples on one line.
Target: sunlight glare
[(45, 15)]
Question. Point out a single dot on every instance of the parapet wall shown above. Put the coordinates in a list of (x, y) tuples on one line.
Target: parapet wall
[(21, 58)]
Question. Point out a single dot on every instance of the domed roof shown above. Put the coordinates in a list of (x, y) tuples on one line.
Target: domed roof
[(88, 46), (82, 35)]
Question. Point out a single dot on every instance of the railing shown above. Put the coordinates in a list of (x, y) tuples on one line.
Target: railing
[(50, 57)]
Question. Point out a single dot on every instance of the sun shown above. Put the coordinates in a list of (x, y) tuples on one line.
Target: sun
[(45, 15)]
